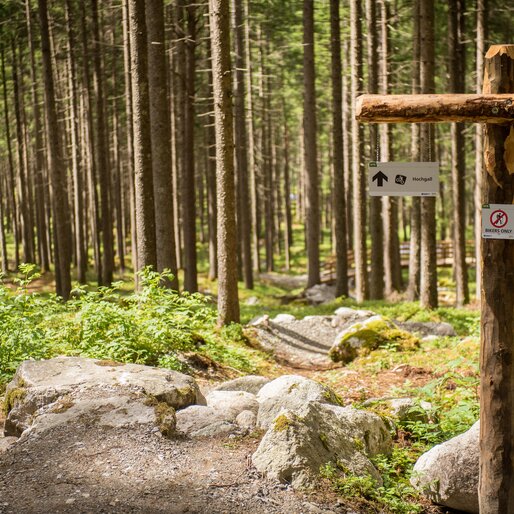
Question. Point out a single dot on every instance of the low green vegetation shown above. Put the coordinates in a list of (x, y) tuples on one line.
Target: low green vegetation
[(155, 326)]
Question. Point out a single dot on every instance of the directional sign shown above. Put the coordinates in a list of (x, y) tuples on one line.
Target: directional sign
[(497, 221), (403, 178)]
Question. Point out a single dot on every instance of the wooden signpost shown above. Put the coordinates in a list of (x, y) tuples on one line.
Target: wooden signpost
[(495, 108)]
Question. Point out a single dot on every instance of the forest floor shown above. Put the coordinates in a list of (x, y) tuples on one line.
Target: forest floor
[(83, 470)]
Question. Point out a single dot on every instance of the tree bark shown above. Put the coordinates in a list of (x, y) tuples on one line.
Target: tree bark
[(56, 164), (161, 140), (359, 203), (428, 279), (241, 144), (339, 195), (457, 69), (496, 488), (228, 303), (312, 220), (144, 197)]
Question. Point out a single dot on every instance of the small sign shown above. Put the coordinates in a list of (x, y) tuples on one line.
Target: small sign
[(403, 178), (497, 221)]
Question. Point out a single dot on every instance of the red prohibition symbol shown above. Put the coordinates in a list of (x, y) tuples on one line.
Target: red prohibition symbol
[(499, 218)]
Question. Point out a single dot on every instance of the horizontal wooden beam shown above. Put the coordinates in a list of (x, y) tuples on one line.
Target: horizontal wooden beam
[(435, 108)]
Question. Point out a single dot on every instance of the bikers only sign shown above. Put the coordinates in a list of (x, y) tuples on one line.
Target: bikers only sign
[(497, 221)]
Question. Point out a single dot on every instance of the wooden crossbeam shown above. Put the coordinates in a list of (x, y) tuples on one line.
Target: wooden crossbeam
[(435, 108)]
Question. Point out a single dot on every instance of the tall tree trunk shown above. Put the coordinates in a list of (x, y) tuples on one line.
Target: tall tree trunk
[(78, 208), (144, 197), (428, 279), (376, 279), (359, 200), (310, 147), (481, 31), (44, 257), (241, 143), (415, 221), (102, 153), (339, 195), (188, 194), (11, 182), (161, 140), (228, 303), (56, 164), (288, 226), (456, 74)]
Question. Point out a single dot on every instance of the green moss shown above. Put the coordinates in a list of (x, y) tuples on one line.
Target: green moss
[(165, 418), (324, 440), (282, 423), (12, 398), (359, 444), (108, 362)]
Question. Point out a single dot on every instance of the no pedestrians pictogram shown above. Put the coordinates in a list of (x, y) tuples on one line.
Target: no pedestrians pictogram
[(499, 218)]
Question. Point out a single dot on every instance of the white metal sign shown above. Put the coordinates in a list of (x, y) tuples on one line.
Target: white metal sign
[(497, 221), (403, 178)]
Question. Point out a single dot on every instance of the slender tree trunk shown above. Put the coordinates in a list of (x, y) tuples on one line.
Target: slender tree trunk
[(428, 280), (376, 279), (241, 144), (415, 221), (456, 73), (161, 140), (188, 192), (56, 164), (359, 202), (78, 208), (481, 32), (101, 153), (339, 195), (144, 197), (310, 147), (288, 226), (228, 303)]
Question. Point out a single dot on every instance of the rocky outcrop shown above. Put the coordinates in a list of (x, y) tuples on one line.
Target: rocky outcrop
[(299, 442), (448, 473), (320, 294), (67, 387), (429, 328), (368, 335)]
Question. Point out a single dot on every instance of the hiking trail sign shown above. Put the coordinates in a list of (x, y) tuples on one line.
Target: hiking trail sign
[(403, 178), (495, 109)]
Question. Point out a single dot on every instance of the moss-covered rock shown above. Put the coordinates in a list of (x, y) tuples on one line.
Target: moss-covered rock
[(366, 336)]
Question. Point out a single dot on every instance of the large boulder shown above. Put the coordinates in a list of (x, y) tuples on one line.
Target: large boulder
[(298, 443), (368, 335), (37, 384), (290, 392), (231, 403), (320, 293), (448, 473), (250, 384)]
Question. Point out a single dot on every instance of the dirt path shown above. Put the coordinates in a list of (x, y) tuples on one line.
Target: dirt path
[(79, 469)]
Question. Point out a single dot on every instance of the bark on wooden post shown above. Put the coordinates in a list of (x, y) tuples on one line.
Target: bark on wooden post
[(496, 490)]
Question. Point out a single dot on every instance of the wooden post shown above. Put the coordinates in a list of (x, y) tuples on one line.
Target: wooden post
[(496, 490)]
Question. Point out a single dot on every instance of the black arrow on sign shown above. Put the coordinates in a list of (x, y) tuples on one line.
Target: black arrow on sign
[(380, 177)]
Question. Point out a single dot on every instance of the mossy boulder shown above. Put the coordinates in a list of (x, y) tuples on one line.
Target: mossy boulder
[(366, 336)]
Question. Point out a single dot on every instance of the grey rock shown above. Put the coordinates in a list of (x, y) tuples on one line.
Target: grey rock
[(429, 328), (6, 443), (320, 293), (250, 384), (253, 300), (409, 409), (290, 392), (344, 315), (283, 318), (448, 473), (40, 383), (298, 443), (246, 420), (231, 403), (201, 421)]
